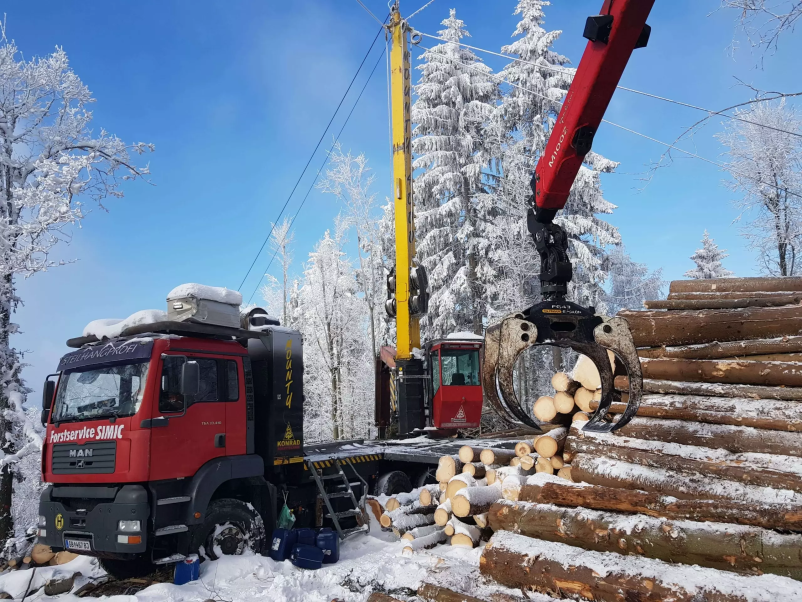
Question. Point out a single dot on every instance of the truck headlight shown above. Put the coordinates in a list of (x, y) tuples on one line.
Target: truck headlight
[(42, 521), (129, 525)]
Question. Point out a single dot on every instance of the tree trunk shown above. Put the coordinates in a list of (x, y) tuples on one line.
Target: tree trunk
[(714, 389), (564, 493), (777, 301), (758, 413), (735, 439), (714, 545), (783, 374), (525, 563), (611, 473), (779, 472), (435, 593), (9, 376), (655, 328), (736, 285)]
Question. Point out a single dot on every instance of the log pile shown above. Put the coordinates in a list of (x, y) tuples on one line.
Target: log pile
[(709, 473)]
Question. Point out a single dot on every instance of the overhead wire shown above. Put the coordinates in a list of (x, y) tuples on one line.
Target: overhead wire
[(571, 73), (419, 10), (670, 146), (319, 171), (375, 18), (312, 156)]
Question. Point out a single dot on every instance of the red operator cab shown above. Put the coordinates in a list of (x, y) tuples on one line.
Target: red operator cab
[(456, 386)]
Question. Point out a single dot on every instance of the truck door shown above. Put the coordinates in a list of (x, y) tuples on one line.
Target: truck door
[(183, 441)]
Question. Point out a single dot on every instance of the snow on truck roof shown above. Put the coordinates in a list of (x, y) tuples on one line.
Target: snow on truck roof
[(111, 328), (201, 291), (465, 336)]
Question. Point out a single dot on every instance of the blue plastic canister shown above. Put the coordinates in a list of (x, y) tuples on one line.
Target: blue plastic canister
[(187, 570), (328, 541), (282, 543), (306, 536), (307, 557)]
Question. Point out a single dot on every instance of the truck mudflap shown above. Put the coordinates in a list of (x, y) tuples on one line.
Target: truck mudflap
[(86, 519)]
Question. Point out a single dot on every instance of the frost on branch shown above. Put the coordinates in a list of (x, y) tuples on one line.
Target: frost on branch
[(708, 261), (50, 159)]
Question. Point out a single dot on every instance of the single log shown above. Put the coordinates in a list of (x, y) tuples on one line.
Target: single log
[(475, 500), (586, 373), (777, 301), (408, 522), (736, 285), (392, 504), (562, 493), (375, 508), (565, 473), (516, 461), (551, 443), (459, 482), (418, 532), (463, 531), (422, 543), (429, 494), (583, 397), (435, 593), (562, 382), (511, 487), (552, 566), (447, 468), (563, 402), (544, 409), (580, 417), (469, 454), (655, 328), (732, 295), (481, 520), (763, 470), (442, 485), (497, 456), (724, 371), (543, 465), (499, 474), (714, 390), (612, 473), (770, 357), (740, 349), (727, 547), (761, 413), (528, 462), (443, 513), (523, 448), (476, 469), (557, 462), (380, 597), (735, 439), (41, 554)]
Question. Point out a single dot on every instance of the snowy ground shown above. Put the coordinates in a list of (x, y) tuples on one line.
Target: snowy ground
[(367, 563)]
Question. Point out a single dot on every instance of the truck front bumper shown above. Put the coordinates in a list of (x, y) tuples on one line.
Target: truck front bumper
[(92, 514)]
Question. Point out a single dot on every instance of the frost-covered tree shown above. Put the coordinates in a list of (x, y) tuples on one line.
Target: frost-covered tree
[(708, 261), (275, 291), (630, 283), (764, 21), (456, 93), (766, 168), (50, 158)]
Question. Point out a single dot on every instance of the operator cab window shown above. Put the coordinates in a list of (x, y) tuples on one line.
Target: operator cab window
[(218, 382)]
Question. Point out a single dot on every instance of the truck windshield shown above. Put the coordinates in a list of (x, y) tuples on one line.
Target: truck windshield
[(100, 392), (460, 366)]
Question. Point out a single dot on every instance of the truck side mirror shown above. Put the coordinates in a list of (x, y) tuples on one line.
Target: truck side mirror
[(47, 399), (190, 378)]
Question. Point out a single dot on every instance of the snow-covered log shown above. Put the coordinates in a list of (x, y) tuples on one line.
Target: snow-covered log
[(469, 454), (553, 566), (716, 545), (407, 522), (476, 469), (523, 448), (443, 513), (420, 532), (551, 443), (528, 463), (496, 456), (735, 439), (463, 534), (714, 389), (613, 473), (429, 494), (459, 482), (380, 597), (424, 542), (766, 470), (736, 285), (565, 473), (740, 349), (777, 301), (511, 487), (734, 372), (758, 413), (562, 493), (392, 518), (544, 465), (475, 500), (447, 468), (497, 475), (436, 593)]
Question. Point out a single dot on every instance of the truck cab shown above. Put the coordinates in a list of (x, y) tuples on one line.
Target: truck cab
[(456, 387)]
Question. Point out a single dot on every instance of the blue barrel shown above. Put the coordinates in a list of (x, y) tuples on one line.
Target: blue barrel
[(328, 541), (187, 570), (306, 536), (282, 543), (307, 557)]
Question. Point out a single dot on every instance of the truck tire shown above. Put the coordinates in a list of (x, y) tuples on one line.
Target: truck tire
[(392, 483), (139, 566), (231, 526)]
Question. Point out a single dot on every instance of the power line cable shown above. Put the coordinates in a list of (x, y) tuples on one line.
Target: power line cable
[(253, 263), (572, 73), (419, 10), (319, 171), (362, 4), (670, 146)]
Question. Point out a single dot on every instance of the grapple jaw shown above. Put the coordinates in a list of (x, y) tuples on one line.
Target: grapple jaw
[(560, 323)]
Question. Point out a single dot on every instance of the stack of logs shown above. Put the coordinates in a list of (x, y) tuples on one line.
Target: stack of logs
[(709, 473)]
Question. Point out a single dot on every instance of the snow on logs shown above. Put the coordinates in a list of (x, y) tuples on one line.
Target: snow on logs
[(475, 500), (574, 571), (551, 443), (429, 540), (714, 389), (429, 494), (496, 456), (735, 548)]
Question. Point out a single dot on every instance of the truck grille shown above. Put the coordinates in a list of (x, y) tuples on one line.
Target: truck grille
[(89, 458)]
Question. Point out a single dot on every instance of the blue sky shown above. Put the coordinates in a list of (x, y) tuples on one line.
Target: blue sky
[(236, 94)]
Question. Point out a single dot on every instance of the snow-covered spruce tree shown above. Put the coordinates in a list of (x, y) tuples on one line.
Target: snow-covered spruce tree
[(456, 93), (708, 261), (629, 282), (49, 159), (766, 168), (275, 291)]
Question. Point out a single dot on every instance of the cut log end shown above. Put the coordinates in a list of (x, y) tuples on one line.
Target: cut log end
[(523, 448), (544, 409), (563, 402)]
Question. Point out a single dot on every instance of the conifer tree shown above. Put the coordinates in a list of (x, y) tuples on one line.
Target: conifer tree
[(708, 261)]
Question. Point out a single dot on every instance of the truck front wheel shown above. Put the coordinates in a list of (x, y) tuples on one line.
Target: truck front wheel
[(231, 527)]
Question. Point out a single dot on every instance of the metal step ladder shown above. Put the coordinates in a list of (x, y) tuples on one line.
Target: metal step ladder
[(357, 506)]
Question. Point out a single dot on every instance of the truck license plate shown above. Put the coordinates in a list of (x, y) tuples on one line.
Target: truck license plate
[(78, 544)]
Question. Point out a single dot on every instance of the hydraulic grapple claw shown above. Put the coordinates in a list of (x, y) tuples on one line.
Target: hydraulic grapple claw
[(562, 324)]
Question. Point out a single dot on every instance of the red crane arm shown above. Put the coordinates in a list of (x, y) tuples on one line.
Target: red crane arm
[(614, 34)]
